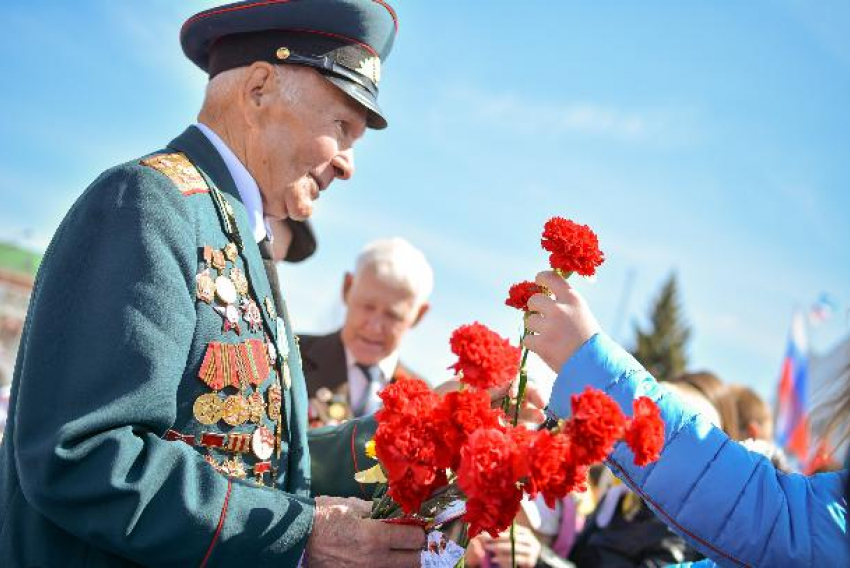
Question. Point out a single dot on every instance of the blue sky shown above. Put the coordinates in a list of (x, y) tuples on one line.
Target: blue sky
[(706, 138)]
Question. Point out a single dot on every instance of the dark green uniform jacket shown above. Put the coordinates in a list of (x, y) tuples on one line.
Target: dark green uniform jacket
[(105, 461)]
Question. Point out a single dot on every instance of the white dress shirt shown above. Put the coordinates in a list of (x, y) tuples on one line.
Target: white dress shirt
[(249, 191), (359, 385)]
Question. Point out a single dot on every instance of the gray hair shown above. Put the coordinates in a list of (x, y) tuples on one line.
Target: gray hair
[(223, 87), (398, 262)]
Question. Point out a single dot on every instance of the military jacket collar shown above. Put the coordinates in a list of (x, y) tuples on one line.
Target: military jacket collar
[(247, 187)]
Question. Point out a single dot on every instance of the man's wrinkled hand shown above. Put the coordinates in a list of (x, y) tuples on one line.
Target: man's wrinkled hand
[(343, 535)]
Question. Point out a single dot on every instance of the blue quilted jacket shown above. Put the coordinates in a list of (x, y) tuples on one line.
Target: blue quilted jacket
[(729, 503)]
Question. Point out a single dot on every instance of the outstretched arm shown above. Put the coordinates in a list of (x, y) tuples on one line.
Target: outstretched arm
[(730, 503)]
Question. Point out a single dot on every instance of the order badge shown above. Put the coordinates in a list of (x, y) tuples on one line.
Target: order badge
[(282, 340)]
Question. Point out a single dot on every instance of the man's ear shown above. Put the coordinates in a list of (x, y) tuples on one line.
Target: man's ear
[(347, 281), (258, 87), (423, 309)]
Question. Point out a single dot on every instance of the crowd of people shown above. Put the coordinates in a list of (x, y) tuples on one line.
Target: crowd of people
[(172, 416)]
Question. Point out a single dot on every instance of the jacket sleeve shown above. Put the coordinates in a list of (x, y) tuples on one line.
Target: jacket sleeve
[(336, 453), (729, 503), (107, 342)]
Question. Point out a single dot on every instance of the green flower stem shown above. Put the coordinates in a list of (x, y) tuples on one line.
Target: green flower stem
[(513, 545), (523, 381)]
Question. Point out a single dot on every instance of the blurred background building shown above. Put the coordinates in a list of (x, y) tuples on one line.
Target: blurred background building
[(17, 274)]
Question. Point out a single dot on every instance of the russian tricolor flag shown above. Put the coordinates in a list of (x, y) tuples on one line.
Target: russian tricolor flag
[(792, 421)]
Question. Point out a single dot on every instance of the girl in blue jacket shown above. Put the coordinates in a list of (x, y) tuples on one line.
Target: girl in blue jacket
[(730, 503)]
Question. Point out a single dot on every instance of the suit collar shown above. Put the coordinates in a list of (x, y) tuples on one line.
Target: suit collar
[(324, 361)]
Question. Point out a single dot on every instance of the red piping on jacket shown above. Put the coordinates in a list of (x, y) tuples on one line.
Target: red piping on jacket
[(220, 525)]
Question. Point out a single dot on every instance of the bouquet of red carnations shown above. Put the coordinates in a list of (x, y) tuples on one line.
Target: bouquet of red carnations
[(435, 450)]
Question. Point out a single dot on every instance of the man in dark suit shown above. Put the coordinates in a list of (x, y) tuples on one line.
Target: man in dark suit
[(385, 296)]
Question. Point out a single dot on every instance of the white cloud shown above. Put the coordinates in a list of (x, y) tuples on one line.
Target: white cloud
[(526, 115)]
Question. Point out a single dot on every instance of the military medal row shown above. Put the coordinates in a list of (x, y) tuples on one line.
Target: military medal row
[(230, 292), (237, 409), (260, 442)]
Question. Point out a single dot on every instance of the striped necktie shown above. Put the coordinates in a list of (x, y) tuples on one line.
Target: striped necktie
[(372, 374)]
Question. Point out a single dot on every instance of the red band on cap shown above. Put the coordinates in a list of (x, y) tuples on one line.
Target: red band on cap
[(202, 15)]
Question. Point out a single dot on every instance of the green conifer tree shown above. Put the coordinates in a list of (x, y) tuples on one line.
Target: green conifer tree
[(662, 347)]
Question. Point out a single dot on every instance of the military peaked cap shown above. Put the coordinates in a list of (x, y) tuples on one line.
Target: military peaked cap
[(345, 40)]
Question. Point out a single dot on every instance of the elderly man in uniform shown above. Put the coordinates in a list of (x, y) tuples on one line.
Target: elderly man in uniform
[(385, 296), (158, 408)]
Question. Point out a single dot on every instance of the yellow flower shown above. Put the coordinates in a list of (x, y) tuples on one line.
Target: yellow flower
[(370, 449)]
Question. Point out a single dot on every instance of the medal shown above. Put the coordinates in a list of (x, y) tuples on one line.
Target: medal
[(324, 394), (336, 411), (274, 396), (254, 352), (251, 314), (211, 372), (272, 352), (207, 409), (204, 286), (230, 316), (225, 291), (235, 410), (217, 260), (240, 282), (287, 375), (231, 253), (262, 443), (239, 443), (257, 407), (270, 307), (260, 469), (282, 340), (233, 467)]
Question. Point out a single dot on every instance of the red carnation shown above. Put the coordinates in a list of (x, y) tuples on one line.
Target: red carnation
[(596, 425), (460, 414), (645, 433), (484, 358), (573, 247), (552, 469), (520, 293), (407, 442), (491, 465)]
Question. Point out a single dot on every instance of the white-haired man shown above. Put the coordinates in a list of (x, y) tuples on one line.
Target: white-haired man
[(385, 296)]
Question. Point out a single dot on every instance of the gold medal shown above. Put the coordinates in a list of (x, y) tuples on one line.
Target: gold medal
[(235, 410), (204, 286), (257, 406), (337, 411), (218, 261), (274, 396), (231, 253), (240, 282), (207, 409), (233, 467)]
